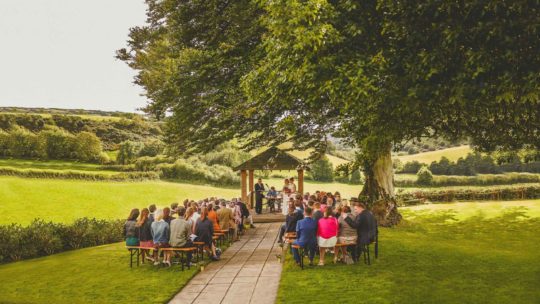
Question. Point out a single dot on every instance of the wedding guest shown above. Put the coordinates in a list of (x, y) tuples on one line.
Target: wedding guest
[(130, 228), (326, 233), (204, 229), (160, 237), (145, 233)]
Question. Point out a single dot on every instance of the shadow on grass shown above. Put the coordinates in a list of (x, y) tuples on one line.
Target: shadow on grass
[(433, 258)]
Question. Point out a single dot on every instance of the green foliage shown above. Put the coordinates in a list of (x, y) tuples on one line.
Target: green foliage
[(411, 167), (80, 175), (147, 163), (322, 170), (128, 152), (502, 193), (152, 148), (193, 169), (58, 144), (42, 238), (479, 180), (226, 155), (88, 147), (424, 177), (22, 143)]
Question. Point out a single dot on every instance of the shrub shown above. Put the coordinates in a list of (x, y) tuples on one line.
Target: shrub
[(322, 170), (193, 169), (147, 163), (42, 238), (226, 155), (356, 177), (81, 175), (128, 152), (411, 167), (22, 143), (424, 177), (152, 148), (87, 147), (57, 144)]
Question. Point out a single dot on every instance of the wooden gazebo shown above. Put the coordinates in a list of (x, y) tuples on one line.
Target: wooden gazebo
[(271, 159)]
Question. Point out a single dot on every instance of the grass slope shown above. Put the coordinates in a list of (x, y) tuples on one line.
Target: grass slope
[(453, 253), (92, 275), (427, 157)]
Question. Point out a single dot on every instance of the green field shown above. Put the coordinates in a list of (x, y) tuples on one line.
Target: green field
[(92, 275), (449, 253), (65, 200), (427, 157)]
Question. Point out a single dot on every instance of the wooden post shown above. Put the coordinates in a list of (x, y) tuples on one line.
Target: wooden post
[(243, 186), (301, 181), (251, 184)]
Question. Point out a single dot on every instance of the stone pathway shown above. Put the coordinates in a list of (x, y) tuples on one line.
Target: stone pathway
[(248, 272)]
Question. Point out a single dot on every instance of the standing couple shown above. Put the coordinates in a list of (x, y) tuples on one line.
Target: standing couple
[(289, 190)]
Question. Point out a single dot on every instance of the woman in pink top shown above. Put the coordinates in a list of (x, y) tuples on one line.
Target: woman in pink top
[(327, 232)]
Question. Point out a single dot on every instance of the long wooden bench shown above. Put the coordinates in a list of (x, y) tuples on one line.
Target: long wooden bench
[(136, 251), (182, 251)]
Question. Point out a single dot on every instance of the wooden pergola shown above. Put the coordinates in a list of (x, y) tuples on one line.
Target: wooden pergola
[(271, 159)]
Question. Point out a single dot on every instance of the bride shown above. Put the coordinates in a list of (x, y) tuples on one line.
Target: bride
[(285, 197)]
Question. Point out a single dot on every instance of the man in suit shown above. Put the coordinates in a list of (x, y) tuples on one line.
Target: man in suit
[(259, 189), (306, 236), (366, 227), (225, 217)]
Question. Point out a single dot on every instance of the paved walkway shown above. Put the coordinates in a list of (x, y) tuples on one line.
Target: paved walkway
[(248, 272)]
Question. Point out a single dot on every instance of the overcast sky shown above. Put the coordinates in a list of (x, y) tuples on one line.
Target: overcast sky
[(60, 53)]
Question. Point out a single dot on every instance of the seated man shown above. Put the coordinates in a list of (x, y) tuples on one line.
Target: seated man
[(180, 232), (272, 196), (365, 225), (306, 236)]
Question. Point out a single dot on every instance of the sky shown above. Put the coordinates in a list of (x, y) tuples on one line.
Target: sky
[(60, 53)]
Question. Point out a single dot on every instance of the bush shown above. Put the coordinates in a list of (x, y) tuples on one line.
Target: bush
[(424, 177), (42, 238), (226, 155), (147, 163), (22, 144), (57, 144), (81, 175), (152, 148), (479, 180), (411, 167), (128, 152), (503, 193), (322, 170), (193, 169), (87, 147), (356, 177)]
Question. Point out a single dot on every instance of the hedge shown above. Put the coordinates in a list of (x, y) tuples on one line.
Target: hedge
[(93, 176), (42, 238), (506, 193), (480, 180), (193, 169)]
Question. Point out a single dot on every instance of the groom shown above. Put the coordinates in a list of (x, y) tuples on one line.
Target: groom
[(259, 188)]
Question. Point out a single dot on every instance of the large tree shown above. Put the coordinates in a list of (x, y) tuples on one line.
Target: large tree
[(374, 73)]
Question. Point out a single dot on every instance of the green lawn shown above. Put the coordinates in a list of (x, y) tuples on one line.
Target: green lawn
[(48, 164), (92, 275), (427, 157), (65, 200), (23, 199), (447, 253)]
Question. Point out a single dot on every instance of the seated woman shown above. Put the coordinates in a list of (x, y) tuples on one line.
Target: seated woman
[(212, 216), (204, 230), (326, 233), (145, 233), (130, 228), (160, 236), (347, 234)]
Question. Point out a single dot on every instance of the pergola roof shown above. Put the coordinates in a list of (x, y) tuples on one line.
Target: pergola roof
[(272, 159)]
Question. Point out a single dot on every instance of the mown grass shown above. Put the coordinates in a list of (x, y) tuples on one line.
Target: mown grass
[(427, 157), (50, 165), (24, 199), (446, 254), (93, 275)]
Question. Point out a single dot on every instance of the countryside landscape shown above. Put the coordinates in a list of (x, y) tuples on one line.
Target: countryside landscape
[(408, 112)]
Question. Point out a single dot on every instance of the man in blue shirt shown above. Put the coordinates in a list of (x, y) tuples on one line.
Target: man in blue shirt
[(306, 236)]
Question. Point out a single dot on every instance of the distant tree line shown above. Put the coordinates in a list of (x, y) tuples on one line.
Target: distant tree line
[(477, 163)]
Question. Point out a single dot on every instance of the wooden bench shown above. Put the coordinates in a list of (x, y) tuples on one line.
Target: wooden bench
[(182, 251), (136, 251), (200, 250)]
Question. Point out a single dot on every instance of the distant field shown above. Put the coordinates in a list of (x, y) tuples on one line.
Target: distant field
[(49, 164), (83, 116), (427, 157)]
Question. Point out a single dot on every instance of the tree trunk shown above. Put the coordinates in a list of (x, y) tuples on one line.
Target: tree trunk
[(378, 189)]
